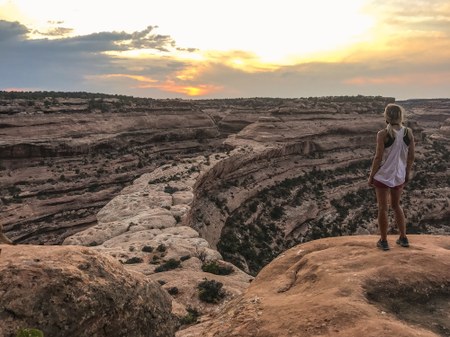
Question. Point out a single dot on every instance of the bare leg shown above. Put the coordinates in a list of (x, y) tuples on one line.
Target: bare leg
[(398, 211), (382, 200)]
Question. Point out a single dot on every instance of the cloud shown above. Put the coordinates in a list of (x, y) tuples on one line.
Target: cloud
[(145, 39), (65, 63), (404, 79), (57, 31), (414, 16), (12, 31), (408, 57)]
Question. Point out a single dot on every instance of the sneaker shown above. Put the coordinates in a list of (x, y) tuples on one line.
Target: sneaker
[(383, 244), (403, 242)]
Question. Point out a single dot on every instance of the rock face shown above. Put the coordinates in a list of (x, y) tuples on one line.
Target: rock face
[(63, 159), (302, 174), (143, 228), (179, 190), (75, 291), (344, 287)]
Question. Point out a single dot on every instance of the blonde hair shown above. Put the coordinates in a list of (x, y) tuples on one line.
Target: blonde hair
[(393, 114)]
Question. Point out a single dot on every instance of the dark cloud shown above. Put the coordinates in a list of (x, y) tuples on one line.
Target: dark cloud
[(146, 40), (12, 31), (58, 31), (65, 63)]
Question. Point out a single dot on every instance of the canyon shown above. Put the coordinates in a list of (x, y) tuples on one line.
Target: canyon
[(195, 183)]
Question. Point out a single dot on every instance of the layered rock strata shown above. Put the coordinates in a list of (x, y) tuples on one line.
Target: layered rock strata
[(289, 171), (62, 163), (296, 177)]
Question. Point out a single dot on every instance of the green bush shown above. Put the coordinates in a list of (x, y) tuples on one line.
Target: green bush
[(147, 249), (133, 260), (170, 189), (168, 265), (30, 333), (276, 213), (161, 248), (191, 317), (173, 291), (210, 291), (185, 257), (216, 268)]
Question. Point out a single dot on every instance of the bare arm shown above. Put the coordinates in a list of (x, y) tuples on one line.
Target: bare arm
[(410, 158), (381, 135)]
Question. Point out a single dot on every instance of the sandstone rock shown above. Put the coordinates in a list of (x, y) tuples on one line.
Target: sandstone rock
[(75, 291), (183, 197), (134, 229), (344, 287)]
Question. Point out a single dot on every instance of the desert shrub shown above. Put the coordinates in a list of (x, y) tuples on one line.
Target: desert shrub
[(276, 213), (210, 291), (161, 248), (173, 291), (155, 259), (30, 333), (147, 249), (185, 257), (253, 207), (134, 259), (171, 190), (191, 317), (94, 187), (168, 265), (216, 268)]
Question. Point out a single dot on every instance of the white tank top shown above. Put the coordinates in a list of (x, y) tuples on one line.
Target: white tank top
[(392, 171)]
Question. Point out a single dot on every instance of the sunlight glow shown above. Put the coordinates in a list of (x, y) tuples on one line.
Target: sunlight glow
[(273, 33), (404, 79), (134, 77), (202, 47), (143, 82)]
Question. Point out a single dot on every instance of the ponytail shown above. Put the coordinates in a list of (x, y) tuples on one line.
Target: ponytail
[(390, 131), (393, 114)]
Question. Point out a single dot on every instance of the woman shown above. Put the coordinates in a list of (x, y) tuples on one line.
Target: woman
[(390, 171)]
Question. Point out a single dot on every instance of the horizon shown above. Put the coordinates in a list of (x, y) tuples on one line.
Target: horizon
[(222, 98), (268, 49)]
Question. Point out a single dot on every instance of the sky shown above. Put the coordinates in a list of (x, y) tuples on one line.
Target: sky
[(227, 49)]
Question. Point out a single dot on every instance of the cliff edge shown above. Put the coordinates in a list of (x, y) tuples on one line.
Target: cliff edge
[(344, 286)]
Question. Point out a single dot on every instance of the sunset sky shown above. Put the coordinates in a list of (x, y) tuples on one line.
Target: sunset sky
[(233, 48)]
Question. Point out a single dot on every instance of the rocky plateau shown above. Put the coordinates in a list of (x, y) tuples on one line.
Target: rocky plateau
[(184, 192)]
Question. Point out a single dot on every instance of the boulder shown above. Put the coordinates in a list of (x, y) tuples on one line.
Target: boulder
[(76, 291)]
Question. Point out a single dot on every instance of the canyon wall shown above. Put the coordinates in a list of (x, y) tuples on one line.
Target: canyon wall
[(177, 190)]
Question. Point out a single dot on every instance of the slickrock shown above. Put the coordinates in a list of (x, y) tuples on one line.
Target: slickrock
[(343, 287), (143, 228), (75, 291)]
